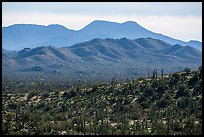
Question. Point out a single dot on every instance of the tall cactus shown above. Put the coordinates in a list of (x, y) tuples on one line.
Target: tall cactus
[(153, 75), (107, 126), (95, 123), (102, 126), (84, 126), (123, 125), (168, 120), (90, 127), (156, 73), (81, 122), (162, 74), (134, 127), (200, 70), (113, 82), (16, 115), (29, 130)]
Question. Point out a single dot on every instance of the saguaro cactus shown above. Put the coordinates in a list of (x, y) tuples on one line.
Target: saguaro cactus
[(162, 74)]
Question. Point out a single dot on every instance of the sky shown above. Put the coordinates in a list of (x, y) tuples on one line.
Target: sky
[(180, 20)]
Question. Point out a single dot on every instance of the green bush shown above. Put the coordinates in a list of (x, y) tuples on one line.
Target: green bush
[(193, 80), (187, 70), (181, 91), (148, 92), (162, 103)]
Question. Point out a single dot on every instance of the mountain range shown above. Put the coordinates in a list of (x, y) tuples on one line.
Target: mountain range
[(102, 58), (19, 36)]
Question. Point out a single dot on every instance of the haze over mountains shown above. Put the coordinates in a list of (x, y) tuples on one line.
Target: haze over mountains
[(104, 58), (19, 36)]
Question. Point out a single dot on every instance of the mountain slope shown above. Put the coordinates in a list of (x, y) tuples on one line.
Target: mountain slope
[(19, 36), (167, 105), (106, 58), (196, 44)]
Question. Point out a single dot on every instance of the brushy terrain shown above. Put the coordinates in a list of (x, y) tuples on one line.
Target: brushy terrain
[(159, 105)]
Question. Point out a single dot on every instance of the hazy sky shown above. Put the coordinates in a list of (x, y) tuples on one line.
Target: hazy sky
[(181, 20)]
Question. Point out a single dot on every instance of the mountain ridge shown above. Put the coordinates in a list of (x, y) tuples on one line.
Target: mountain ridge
[(119, 57), (32, 35)]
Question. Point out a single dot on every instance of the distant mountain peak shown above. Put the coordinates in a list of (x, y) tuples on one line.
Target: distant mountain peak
[(98, 23), (57, 25), (102, 21), (36, 25), (18, 36), (193, 41), (23, 25), (130, 23), (123, 38)]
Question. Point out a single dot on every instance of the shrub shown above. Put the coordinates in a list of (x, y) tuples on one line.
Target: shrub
[(155, 83), (161, 129), (193, 80), (12, 106), (141, 78), (47, 107), (162, 103), (32, 93), (181, 92), (183, 103), (148, 92), (45, 95), (175, 77), (70, 94), (187, 70)]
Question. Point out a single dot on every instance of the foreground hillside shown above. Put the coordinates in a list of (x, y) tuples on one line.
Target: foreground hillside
[(170, 104)]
